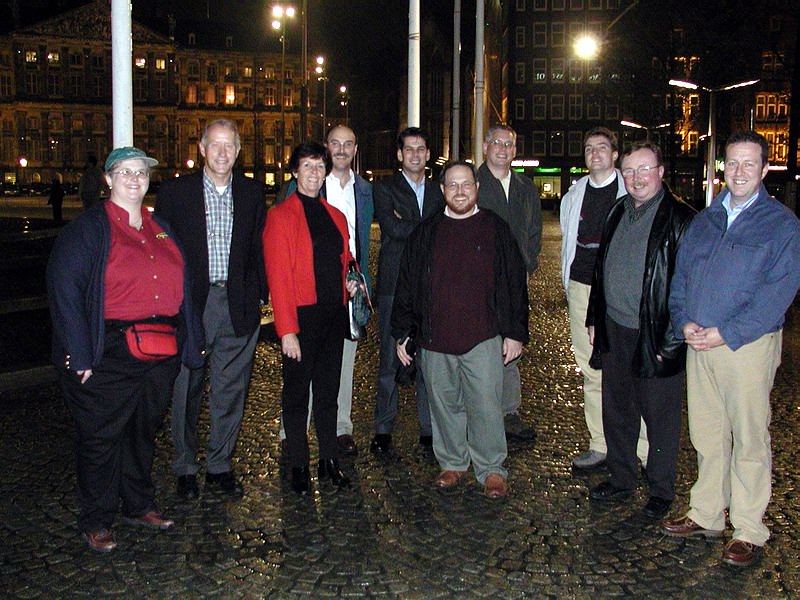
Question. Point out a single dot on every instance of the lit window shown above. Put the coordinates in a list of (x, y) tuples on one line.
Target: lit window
[(31, 56), (140, 62), (230, 94), (161, 64), (248, 71), (53, 58)]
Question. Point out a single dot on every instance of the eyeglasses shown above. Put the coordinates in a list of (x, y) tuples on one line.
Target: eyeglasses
[(130, 173), (466, 186), (641, 170), (348, 145), (505, 144)]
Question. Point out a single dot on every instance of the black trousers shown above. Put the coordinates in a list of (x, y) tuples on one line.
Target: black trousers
[(117, 413), (626, 399), (322, 332)]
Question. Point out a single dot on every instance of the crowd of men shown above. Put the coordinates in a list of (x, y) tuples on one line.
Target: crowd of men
[(665, 305)]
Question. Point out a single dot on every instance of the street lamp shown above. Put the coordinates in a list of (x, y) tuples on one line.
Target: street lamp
[(647, 129), (321, 76), (280, 14), (712, 125), (345, 102)]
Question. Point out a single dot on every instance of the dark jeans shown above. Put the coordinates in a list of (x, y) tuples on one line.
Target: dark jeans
[(117, 413), (626, 399), (322, 332)]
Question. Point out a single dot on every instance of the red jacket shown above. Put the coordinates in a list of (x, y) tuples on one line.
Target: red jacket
[(289, 260)]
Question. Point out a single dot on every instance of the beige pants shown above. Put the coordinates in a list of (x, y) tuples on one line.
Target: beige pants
[(578, 299), (729, 416)]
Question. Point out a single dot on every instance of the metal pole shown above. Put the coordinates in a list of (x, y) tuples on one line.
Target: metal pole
[(304, 87), (122, 72), (324, 107), (477, 148), (712, 148), (455, 132), (282, 151), (413, 63)]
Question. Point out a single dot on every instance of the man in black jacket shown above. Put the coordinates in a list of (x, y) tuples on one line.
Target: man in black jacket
[(218, 217), (462, 296), (629, 326), (402, 201)]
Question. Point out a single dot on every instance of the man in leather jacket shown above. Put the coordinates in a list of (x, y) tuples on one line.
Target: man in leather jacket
[(629, 325)]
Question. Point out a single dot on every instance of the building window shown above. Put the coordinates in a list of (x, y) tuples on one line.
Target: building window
[(53, 58), (77, 124), (576, 30), (520, 5), (210, 94), (557, 70), (575, 71), (519, 37), (539, 143), (98, 62), (31, 56), (192, 39), (140, 62), (594, 73), (287, 97), (54, 84), (230, 95), (539, 70), (6, 88), (76, 60), (191, 94), (211, 72), (612, 111), (557, 143), (595, 4), (557, 106), (540, 35), (161, 88), (775, 23), (193, 69), (539, 107), (519, 109), (248, 71), (139, 89), (269, 72), (229, 42), (575, 143), (247, 96), (519, 72), (33, 123), (230, 70), (612, 4), (575, 107), (520, 145), (693, 138), (539, 5), (576, 4), (161, 64), (557, 34), (593, 111), (288, 73), (31, 84), (98, 86), (557, 4)]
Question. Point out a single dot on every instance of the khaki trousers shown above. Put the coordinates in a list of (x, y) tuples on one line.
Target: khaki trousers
[(578, 300), (729, 416)]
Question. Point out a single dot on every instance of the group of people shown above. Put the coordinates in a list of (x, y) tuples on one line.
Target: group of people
[(146, 306), (655, 290)]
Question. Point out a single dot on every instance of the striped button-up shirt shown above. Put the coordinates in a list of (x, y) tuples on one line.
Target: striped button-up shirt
[(219, 226)]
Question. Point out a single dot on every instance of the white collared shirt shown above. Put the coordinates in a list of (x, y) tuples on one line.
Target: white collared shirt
[(506, 183), (736, 210), (344, 199)]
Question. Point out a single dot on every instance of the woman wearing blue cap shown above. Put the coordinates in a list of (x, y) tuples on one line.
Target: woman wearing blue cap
[(118, 298)]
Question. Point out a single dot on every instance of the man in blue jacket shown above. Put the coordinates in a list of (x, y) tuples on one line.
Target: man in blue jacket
[(737, 272)]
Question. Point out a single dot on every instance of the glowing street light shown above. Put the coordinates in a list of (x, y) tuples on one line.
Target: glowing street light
[(280, 15), (321, 76), (587, 47)]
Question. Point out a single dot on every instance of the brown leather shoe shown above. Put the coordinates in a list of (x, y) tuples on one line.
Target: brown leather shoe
[(741, 554), (100, 541), (151, 520), (448, 479), (347, 445), (495, 486), (685, 527)]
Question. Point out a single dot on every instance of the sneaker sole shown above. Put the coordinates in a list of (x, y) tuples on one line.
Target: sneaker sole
[(706, 533)]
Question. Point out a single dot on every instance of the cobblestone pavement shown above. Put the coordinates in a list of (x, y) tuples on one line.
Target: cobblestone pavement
[(392, 535)]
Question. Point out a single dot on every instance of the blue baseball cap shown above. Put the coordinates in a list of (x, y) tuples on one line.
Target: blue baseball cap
[(126, 152)]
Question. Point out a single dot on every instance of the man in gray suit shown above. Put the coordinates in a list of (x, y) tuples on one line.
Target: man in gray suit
[(515, 199), (401, 202), (217, 216)]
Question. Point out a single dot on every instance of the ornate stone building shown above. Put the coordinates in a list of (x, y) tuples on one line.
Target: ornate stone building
[(55, 95)]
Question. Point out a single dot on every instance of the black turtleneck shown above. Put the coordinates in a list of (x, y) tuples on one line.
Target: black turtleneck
[(327, 243)]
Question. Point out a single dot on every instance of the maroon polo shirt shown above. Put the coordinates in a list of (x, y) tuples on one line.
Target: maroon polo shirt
[(144, 274)]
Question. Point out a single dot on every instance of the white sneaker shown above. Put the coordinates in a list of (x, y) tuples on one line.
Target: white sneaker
[(589, 459)]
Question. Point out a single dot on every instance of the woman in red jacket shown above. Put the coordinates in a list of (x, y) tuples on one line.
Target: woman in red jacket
[(306, 253)]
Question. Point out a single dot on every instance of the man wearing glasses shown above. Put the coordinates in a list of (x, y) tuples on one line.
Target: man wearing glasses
[(629, 326), (462, 295), (515, 199), (217, 216)]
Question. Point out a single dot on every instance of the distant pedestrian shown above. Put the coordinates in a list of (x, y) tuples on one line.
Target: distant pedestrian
[(56, 199), (116, 283), (91, 183)]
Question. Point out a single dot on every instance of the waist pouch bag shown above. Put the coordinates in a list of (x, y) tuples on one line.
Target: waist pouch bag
[(152, 341)]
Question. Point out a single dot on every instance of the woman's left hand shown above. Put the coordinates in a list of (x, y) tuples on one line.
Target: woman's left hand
[(290, 346), (351, 286)]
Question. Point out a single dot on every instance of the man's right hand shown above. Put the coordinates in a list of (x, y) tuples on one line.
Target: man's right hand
[(402, 354), (590, 331)]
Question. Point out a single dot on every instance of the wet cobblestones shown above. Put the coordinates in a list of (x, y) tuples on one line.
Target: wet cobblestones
[(391, 535)]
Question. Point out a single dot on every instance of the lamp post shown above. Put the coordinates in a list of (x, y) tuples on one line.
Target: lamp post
[(712, 125), (322, 77), (345, 102), (280, 14)]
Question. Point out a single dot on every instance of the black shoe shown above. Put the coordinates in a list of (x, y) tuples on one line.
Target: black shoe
[(224, 481), (329, 469), (301, 480), (426, 441), (381, 443), (656, 508), (187, 487), (608, 491)]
